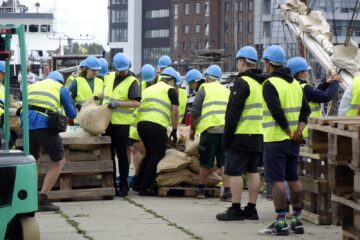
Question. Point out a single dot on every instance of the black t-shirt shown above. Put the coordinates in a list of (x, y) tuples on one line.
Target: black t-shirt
[(173, 96)]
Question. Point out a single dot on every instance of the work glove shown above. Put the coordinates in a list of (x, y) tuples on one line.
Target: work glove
[(71, 122), (78, 107), (173, 135), (297, 137), (96, 98), (112, 105)]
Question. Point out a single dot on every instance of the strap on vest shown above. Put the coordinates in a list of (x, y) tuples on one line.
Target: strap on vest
[(39, 109)]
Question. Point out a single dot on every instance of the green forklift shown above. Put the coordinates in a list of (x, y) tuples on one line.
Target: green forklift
[(18, 170)]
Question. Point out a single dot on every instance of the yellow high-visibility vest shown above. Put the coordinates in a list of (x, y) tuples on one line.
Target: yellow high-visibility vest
[(315, 112), (182, 103), (250, 121), (355, 99), (214, 106), (84, 91), (290, 95), (120, 115)]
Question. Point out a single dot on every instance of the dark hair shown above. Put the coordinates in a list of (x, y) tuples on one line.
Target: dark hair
[(274, 66), (250, 65)]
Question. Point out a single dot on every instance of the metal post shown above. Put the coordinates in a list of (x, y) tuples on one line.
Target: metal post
[(25, 113), (7, 93)]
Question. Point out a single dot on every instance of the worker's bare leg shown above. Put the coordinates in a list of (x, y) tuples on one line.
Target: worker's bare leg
[(52, 176), (297, 195), (204, 174), (279, 195), (236, 185), (254, 186)]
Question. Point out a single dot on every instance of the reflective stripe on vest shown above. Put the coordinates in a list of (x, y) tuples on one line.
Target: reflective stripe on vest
[(120, 115), (155, 105), (290, 96), (84, 91), (182, 103), (355, 98), (45, 94), (250, 121), (214, 106)]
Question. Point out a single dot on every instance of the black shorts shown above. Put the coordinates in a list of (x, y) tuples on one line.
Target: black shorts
[(239, 162), (50, 142), (281, 161)]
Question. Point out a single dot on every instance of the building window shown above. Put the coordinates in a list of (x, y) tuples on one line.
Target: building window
[(186, 29), (175, 44), (186, 9), (250, 26), (151, 55), (250, 5), (206, 44), (267, 7), (191, 46), (239, 27), (119, 35), (45, 28), (266, 29), (240, 6), (227, 7), (197, 28), (161, 13), (197, 8), (33, 28), (207, 9), (176, 11), (119, 1), (207, 29), (184, 46), (226, 27), (159, 33), (119, 16)]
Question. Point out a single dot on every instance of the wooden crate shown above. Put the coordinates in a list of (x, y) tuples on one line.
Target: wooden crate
[(87, 173), (187, 191)]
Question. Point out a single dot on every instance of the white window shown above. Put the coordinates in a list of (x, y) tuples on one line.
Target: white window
[(186, 29), (161, 13), (250, 5), (207, 9), (197, 8), (159, 33), (175, 43), (176, 8), (186, 9), (197, 28), (206, 29)]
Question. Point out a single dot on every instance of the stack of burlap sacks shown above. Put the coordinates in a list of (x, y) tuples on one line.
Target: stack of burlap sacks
[(182, 168)]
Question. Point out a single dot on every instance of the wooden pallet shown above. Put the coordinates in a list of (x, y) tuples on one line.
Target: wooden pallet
[(87, 173), (187, 191)]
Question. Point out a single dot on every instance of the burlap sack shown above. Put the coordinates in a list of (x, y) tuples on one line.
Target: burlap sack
[(75, 132), (174, 178), (15, 123), (94, 118), (191, 147), (174, 160), (213, 179), (195, 165)]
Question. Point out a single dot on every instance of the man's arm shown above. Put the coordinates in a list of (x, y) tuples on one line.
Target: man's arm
[(195, 111), (67, 103), (304, 114)]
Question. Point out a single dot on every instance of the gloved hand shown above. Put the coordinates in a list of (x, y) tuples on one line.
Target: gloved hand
[(112, 105), (78, 107), (297, 137), (96, 98), (71, 122), (173, 135)]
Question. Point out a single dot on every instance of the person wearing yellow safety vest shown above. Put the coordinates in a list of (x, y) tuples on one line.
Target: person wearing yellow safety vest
[(315, 96), (87, 84), (164, 62), (350, 102), (182, 98), (74, 75), (2, 96), (285, 113), (49, 95), (137, 148), (147, 76), (208, 119), (122, 94), (242, 138), (104, 69), (159, 107)]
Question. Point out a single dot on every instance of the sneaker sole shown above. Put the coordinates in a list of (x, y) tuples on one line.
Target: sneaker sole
[(230, 220)]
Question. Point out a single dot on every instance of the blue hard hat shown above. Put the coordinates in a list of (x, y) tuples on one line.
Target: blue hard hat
[(297, 64), (247, 52), (121, 62), (275, 54), (169, 72), (55, 75), (213, 71), (193, 75), (82, 63), (104, 67), (164, 61), (148, 73), (2, 66), (92, 62), (178, 78)]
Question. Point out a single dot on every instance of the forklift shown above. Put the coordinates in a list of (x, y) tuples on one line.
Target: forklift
[(18, 170)]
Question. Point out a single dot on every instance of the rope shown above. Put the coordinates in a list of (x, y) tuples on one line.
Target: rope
[(350, 31)]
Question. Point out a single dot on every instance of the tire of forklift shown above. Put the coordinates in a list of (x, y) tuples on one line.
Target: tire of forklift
[(29, 228)]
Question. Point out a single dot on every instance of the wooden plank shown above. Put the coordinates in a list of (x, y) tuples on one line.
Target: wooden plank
[(350, 233), (107, 180), (81, 193), (80, 168), (96, 140), (314, 186), (187, 191), (65, 183), (325, 120), (344, 125), (315, 218), (81, 155), (345, 202), (354, 128), (318, 156)]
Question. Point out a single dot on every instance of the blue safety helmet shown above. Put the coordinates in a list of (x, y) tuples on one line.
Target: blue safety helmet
[(178, 79), (275, 54), (169, 72), (164, 61), (193, 75), (214, 71), (2, 66), (121, 62), (92, 62), (297, 64), (82, 64), (148, 73), (104, 67), (249, 53), (57, 76)]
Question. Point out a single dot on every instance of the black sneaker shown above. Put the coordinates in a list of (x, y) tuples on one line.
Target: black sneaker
[(149, 193), (134, 184), (45, 205), (274, 229), (297, 228), (226, 196), (200, 193), (250, 213), (231, 215), (123, 190)]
